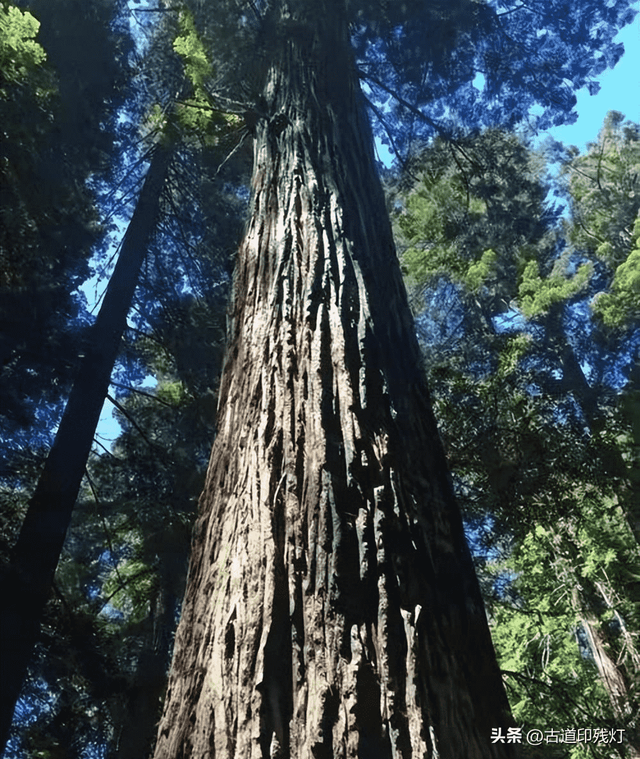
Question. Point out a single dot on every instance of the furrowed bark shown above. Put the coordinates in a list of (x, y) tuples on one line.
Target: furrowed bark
[(332, 608)]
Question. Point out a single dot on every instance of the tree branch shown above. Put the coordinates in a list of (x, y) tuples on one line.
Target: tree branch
[(141, 392), (412, 108), (112, 553), (128, 416)]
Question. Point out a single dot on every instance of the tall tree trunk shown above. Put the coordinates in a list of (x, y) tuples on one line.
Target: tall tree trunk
[(139, 711), (27, 581), (617, 674), (613, 681), (332, 608)]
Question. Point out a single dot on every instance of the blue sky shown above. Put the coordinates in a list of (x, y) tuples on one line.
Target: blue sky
[(619, 91)]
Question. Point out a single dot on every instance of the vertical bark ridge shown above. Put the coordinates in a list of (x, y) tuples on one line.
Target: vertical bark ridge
[(332, 609)]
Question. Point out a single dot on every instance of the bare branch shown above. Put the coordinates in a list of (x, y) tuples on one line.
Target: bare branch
[(128, 416)]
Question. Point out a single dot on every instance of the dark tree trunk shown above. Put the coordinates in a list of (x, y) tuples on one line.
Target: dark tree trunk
[(27, 581), (332, 608), (139, 708)]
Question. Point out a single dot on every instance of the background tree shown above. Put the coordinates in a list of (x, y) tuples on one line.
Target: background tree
[(58, 125), (605, 206), (50, 219), (27, 580)]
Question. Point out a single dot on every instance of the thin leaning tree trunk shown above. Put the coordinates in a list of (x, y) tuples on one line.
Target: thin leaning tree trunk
[(332, 608), (28, 580)]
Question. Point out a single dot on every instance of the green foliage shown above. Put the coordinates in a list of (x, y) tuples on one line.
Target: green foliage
[(19, 52), (621, 305), (550, 684), (25, 98), (512, 354), (172, 393), (602, 186), (47, 224), (431, 220), (553, 550), (449, 223), (194, 114), (575, 572), (472, 212), (129, 589), (556, 558), (197, 116), (605, 208), (479, 272), (538, 294), (190, 47)]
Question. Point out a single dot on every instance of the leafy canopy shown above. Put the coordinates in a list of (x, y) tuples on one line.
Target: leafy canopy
[(460, 66), (474, 213), (547, 501), (602, 186), (538, 294), (19, 52), (622, 303), (195, 112)]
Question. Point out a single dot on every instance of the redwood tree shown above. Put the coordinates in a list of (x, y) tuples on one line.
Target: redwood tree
[(332, 608)]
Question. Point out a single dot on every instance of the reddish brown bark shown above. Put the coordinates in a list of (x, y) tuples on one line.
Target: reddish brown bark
[(332, 608)]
